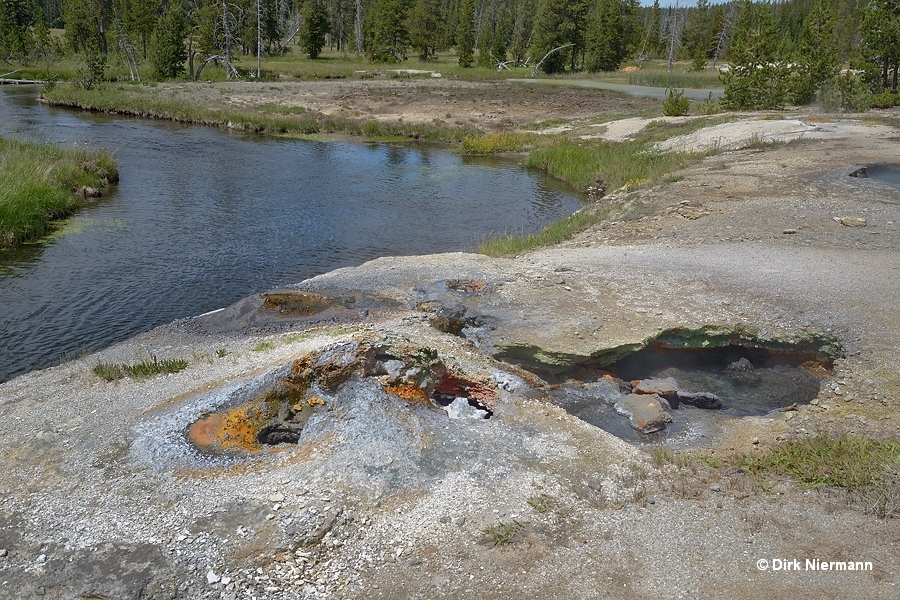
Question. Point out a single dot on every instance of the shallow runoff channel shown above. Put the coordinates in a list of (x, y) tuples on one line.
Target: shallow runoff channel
[(203, 217)]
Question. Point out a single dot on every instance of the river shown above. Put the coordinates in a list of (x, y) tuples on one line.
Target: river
[(203, 217)]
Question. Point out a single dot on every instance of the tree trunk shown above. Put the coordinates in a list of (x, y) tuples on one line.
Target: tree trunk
[(358, 32), (227, 29)]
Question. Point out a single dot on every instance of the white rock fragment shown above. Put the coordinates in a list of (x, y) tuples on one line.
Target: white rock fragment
[(211, 577), (461, 409)]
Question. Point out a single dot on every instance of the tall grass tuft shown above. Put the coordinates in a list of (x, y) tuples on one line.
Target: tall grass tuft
[(37, 183), (663, 79), (493, 143), (581, 163), (141, 370), (553, 233)]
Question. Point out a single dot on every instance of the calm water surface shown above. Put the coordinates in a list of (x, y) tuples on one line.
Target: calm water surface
[(202, 218)]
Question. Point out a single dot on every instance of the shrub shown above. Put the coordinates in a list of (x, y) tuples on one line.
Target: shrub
[(675, 104), (846, 93), (885, 100)]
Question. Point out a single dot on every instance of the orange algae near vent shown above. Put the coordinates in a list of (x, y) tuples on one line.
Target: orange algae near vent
[(406, 391), (455, 385), (206, 431), (236, 429)]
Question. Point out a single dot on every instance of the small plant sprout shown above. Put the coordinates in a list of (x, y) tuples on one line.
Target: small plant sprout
[(501, 534), (540, 503)]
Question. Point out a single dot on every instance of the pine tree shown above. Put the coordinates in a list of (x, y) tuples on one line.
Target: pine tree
[(386, 35), (757, 77), (880, 47), (817, 53), (559, 29), (652, 35), (611, 35), (521, 29), (167, 50), (16, 16), (426, 26), (314, 28), (696, 36), (465, 34), (139, 18)]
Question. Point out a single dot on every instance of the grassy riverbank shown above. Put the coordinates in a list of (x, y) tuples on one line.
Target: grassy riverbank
[(38, 184), (263, 118), (499, 122)]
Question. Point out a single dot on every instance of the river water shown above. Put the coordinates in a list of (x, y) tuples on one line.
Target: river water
[(203, 217)]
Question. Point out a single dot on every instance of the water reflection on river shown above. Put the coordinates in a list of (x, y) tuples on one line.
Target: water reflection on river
[(202, 218)]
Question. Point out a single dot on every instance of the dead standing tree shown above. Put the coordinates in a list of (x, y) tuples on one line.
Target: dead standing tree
[(674, 27), (724, 35), (218, 41)]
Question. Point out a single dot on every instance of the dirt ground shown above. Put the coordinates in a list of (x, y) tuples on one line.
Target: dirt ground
[(387, 497), (490, 106)]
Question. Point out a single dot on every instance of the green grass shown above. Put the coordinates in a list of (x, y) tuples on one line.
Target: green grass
[(263, 346), (494, 143), (581, 163), (267, 118), (141, 370), (551, 234), (867, 470), (676, 79), (37, 183), (540, 503), (501, 534)]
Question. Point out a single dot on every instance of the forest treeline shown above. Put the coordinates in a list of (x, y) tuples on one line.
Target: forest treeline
[(776, 51)]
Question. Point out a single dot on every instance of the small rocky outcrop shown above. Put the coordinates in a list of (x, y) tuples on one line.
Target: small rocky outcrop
[(851, 221), (671, 396), (645, 412), (86, 191), (700, 399), (667, 387)]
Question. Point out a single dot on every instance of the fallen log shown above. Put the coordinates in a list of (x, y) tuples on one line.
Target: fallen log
[(20, 81)]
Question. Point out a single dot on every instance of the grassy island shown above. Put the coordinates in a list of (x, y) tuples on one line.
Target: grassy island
[(40, 183)]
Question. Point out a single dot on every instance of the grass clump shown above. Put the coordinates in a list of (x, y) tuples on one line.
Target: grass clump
[(682, 80), (263, 346), (37, 184), (540, 503), (494, 143), (553, 233), (580, 163), (867, 470), (501, 534), (141, 370)]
